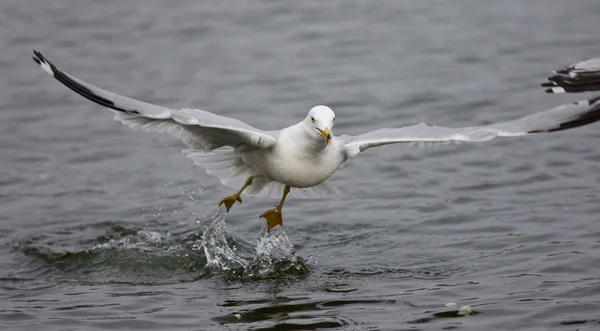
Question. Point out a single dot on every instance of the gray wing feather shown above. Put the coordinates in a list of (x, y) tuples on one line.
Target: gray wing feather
[(555, 119), (196, 128)]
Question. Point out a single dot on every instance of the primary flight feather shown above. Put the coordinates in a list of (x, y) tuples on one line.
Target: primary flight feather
[(302, 156)]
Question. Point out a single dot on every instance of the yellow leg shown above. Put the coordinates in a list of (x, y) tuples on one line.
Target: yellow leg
[(230, 200), (273, 216)]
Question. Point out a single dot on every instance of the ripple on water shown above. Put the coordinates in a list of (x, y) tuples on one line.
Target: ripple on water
[(111, 253), (298, 313)]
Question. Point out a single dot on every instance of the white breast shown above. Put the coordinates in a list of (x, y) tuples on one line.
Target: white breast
[(290, 161)]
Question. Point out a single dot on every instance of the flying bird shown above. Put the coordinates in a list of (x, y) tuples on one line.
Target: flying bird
[(301, 157), (582, 76)]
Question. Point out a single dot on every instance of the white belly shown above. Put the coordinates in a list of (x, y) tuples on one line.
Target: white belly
[(294, 167)]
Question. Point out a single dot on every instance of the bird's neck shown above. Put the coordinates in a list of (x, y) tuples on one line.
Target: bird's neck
[(307, 141)]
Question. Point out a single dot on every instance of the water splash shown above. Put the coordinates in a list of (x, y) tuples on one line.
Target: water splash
[(142, 240), (275, 245), (218, 250), (274, 255), (155, 253)]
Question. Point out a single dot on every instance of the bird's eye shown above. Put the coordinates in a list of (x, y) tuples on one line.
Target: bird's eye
[(334, 119), (312, 119)]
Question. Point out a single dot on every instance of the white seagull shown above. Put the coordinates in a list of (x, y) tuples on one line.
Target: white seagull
[(302, 156)]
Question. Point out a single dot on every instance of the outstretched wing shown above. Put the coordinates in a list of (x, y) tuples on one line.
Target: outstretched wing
[(555, 119), (580, 77), (198, 129)]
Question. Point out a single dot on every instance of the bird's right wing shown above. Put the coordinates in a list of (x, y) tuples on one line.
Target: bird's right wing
[(559, 118), (580, 77), (198, 129)]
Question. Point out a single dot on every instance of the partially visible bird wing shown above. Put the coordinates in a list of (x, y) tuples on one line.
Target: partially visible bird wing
[(582, 76)]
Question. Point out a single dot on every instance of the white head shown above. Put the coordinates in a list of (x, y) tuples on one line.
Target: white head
[(321, 119)]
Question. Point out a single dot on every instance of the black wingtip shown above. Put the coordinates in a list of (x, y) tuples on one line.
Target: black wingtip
[(74, 85), (591, 115), (575, 78), (37, 57)]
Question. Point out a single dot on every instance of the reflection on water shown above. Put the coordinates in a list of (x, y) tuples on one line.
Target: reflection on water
[(283, 313)]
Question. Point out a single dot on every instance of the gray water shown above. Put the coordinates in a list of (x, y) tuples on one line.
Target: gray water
[(102, 227)]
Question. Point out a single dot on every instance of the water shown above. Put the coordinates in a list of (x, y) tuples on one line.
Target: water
[(102, 227)]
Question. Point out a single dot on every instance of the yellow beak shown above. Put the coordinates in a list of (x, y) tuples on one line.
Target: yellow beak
[(326, 135)]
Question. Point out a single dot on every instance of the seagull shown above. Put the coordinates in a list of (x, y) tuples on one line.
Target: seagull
[(301, 156), (582, 76)]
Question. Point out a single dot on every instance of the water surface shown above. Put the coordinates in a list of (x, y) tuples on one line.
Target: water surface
[(102, 227)]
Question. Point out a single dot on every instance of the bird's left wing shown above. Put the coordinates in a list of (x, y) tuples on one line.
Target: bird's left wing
[(555, 119), (197, 128), (582, 76)]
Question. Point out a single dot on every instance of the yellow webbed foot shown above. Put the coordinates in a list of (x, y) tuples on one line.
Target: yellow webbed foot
[(273, 218), (230, 200)]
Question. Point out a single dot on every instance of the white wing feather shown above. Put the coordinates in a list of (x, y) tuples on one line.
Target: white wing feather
[(555, 119), (198, 129)]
